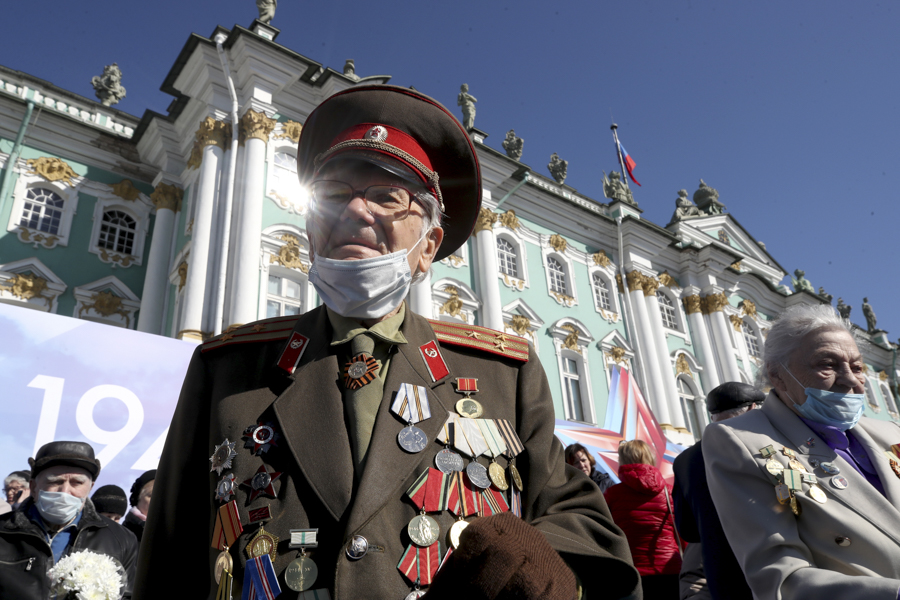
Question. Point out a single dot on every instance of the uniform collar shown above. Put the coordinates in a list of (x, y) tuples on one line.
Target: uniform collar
[(345, 329)]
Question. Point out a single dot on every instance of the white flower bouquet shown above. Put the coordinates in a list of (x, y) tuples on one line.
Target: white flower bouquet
[(87, 575)]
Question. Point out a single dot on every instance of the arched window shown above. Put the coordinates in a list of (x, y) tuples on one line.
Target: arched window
[(284, 298), (506, 258), (751, 339), (888, 397), (42, 210), (572, 388), (870, 396), (285, 171), (117, 231), (687, 397), (601, 292), (667, 311), (557, 276)]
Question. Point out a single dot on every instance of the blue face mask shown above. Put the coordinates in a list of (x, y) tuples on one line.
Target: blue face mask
[(830, 408)]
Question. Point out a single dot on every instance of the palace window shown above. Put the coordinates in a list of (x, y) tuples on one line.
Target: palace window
[(284, 297), (601, 292), (572, 389), (687, 397), (751, 339), (117, 231), (506, 258), (42, 211), (667, 311), (557, 276)]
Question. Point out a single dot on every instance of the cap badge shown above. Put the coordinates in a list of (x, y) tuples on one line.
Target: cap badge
[(377, 133)]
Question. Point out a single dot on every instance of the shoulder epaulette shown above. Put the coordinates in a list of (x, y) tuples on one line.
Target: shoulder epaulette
[(481, 338), (267, 330)]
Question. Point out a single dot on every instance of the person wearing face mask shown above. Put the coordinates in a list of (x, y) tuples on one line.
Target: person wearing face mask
[(808, 489), (58, 519), (298, 423)]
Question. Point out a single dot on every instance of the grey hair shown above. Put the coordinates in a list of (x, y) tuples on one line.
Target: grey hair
[(12, 477), (789, 329), (732, 412), (430, 220)]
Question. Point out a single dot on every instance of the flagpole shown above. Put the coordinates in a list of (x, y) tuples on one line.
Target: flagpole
[(619, 154)]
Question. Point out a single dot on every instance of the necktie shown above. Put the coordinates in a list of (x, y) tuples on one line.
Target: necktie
[(362, 402)]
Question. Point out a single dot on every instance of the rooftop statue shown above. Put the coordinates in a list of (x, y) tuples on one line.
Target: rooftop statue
[(684, 208), (615, 189), (802, 283), (869, 314), (558, 168), (350, 70), (822, 294), (843, 309), (266, 10), (513, 145), (467, 102), (108, 86), (707, 200)]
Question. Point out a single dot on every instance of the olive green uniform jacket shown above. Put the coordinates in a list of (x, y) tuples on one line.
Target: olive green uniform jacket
[(235, 385)]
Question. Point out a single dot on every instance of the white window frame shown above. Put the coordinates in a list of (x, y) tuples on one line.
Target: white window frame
[(665, 302), (888, 397), (612, 314), (520, 282), (69, 194), (559, 334), (568, 272), (46, 301), (129, 306), (459, 258), (297, 206), (271, 243), (137, 210), (871, 398), (471, 304), (694, 402), (757, 334), (286, 275)]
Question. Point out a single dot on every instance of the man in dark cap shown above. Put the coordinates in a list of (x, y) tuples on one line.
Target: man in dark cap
[(141, 491), (111, 502), (310, 443), (695, 514), (57, 520)]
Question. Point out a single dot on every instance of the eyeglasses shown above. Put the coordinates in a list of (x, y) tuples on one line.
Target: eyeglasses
[(384, 202)]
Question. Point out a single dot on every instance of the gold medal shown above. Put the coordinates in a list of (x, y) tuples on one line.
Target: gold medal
[(497, 475), (301, 574), (795, 506), (817, 494), (797, 465), (423, 530), (783, 493), (517, 479), (774, 467), (223, 563), (469, 408), (455, 531), (262, 543)]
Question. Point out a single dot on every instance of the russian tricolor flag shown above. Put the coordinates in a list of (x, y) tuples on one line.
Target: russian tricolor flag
[(629, 162)]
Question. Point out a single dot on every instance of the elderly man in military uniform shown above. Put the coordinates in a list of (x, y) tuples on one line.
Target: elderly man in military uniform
[(324, 453)]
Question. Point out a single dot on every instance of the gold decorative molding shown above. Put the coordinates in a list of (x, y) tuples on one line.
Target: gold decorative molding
[(571, 341), (27, 286), (106, 304), (564, 299), (509, 220), (485, 221), (126, 191), (617, 355), (290, 130), (735, 266), (667, 280), (691, 304), (454, 260), (116, 258), (865, 369), (255, 125), (883, 376), (182, 275), (190, 227), (453, 306), (53, 169), (38, 239), (167, 196), (601, 259), (650, 285), (520, 325), (512, 282), (736, 322), (289, 254), (748, 308), (558, 243), (193, 335), (635, 280), (682, 367), (619, 283), (668, 427), (715, 302)]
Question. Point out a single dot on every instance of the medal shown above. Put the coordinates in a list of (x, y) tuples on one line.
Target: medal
[(830, 468), (468, 407), (261, 544), (448, 461), (228, 526), (411, 404), (262, 483), (795, 506), (455, 531), (788, 452), (222, 457), (817, 494), (783, 493), (360, 371), (796, 465), (767, 451), (517, 479), (260, 437), (223, 563), (478, 474), (497, 476), (839, 482), (412, 439), (423, 530), (225, 489), (416, 593), (774, 467), (301, 574)]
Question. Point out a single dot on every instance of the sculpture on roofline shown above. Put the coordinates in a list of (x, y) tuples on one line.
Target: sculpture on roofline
[(108, 86), (266, 10), (707, 200), (684, 208), (822, 294), (802, 283), (615, 189), (513, 145), (558, 167), (869, 314), (350, 70), (843, 309), (467, 102)]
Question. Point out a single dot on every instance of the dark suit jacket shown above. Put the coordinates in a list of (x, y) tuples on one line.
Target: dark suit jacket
[(234, 386), (697, 521)]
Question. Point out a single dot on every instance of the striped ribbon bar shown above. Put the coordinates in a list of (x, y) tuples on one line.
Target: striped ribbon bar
[(435, 499), (416, 493), (304, 538), (513, 443), (515, 501), (792, 479), (451, 434), (466, 385), (492, 436), (411, 403), (493, 502), (228, 526), (260, 580), (419, 565), (472, 433)]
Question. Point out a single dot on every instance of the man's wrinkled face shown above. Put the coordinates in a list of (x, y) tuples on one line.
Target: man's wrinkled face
[(826, 360), (63, 478), (355, 233)]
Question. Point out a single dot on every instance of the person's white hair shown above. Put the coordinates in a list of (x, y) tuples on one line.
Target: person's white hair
[(431, 219), (789, 329), (12, 477)]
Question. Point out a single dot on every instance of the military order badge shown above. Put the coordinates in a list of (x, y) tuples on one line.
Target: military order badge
[(262, 482), (260, 437), (222, 457)]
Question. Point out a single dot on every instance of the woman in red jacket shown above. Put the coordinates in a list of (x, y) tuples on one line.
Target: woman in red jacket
[(641, 506)]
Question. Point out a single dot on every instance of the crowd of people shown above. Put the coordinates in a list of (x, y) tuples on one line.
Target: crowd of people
[(360, 450)]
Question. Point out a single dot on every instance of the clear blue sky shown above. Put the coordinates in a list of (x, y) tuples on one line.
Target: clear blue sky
[(789, 109)]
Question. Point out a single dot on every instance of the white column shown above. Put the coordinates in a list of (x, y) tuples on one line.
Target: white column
[(719, 325), (420, 301), (247, 225), (701, 339), (195, 290), (486, 257), (656, 394), (662, 355), (156, 277)]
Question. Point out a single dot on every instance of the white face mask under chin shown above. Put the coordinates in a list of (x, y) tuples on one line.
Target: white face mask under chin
[(369, 288)]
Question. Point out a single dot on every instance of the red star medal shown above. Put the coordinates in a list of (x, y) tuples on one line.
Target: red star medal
[(262, 483), (260, 437)]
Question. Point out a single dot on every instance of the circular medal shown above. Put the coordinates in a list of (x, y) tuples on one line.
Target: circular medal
[(817, 494), (261, 544), (795, 506), (301, 574), (357, 547), (839, 482), (517, 479), (223, 563), (263, 434), (774, 467), (498, 477), (261, 480), (225, 488), (423, 530), (448, 461), (797, 465), (469, 408), (830, 468), (413, 595), (412, 439), (478, 475), (455, 531)]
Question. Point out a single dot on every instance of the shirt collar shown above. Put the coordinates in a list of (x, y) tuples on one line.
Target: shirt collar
[(834, 437), (345, 329)]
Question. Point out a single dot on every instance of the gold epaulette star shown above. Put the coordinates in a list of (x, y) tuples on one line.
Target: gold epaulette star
[(226, 337), (258, 328), (473, 334)]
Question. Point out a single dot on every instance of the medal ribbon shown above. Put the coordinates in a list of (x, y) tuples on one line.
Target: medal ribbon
[(470, 498), (420, 564), (416, 493), (513, 443), (228, 526), (792, 479), (451, 434), (411, 403), (492, 437), (472, 433), (454, 495), (435, 499), (225, 583), (493, 502), (515, 501), (260, 581), (371, 366), (466, 385)]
